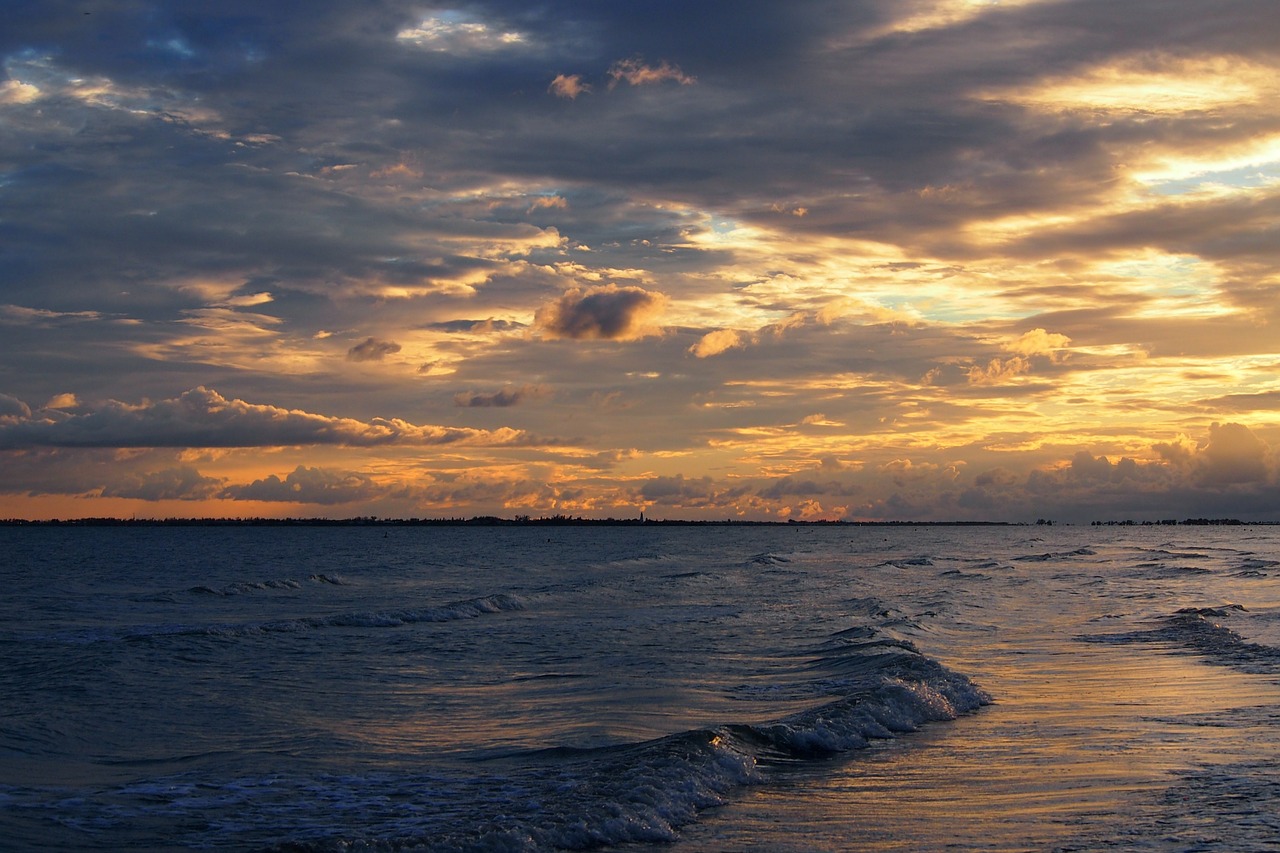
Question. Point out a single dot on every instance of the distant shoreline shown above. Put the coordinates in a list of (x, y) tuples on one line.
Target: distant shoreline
[(571, 521)]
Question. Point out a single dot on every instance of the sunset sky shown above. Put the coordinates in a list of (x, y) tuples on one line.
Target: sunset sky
[(872, 259)]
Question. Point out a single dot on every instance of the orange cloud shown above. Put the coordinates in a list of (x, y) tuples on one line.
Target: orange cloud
[(998, 370), (568, 86), (714, 343), (1039, 342), (635, 72)]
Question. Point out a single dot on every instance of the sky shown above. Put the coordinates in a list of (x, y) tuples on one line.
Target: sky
[(863, 260)]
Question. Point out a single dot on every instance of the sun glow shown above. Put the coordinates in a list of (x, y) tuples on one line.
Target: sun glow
[(1163, 85), (1216, 172)]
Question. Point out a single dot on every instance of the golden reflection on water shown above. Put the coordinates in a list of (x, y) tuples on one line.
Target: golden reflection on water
[(1080, 743)]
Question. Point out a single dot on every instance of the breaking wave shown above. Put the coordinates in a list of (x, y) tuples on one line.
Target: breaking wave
[(577, 799), (1201, 631)]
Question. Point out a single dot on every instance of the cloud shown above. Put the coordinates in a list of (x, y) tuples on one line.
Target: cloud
[(812, 510), (1039, 342), (1231, 472), (635, 72), (62, 401), (1028, 347), (1152, 85), (182, 482), (499, 399), (17, 92), (716, 342), (1061, 213), (19, 315), (1178, 452), (1260, 401), (1232, 454), (309, 486), (372, 349), (248, 300), (607, 312), (568, 86), (548, 202), (798, 324), (13, 410), (797, 486), (204, 418), (677, 490), (998, 370), (1086, 468), (475, 326), (452, 32), (607, 459)]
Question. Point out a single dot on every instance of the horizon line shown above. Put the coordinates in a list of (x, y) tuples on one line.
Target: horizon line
[(579, 521)]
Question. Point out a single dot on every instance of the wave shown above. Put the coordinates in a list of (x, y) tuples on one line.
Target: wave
[(868, 606), (1059, 555), (957, 574), (1199, 630), (465, 609), (1165, 571), (242, 587), (1177, 555), (695, 575), (643, 793), (907, 562), (468, 609), (563, 798)]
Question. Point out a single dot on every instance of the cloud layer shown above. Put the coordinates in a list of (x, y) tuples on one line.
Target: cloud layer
[(893, 259), (204, 418)]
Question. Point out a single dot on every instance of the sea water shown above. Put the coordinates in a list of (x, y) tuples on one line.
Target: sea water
[(645, 687)]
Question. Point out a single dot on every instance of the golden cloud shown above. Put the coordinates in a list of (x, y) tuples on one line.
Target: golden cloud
[(714, 343)]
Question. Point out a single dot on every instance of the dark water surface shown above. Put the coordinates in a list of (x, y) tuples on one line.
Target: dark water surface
[(673, 688)]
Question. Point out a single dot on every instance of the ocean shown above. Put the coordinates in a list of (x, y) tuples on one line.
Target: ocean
[(642, 688)]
